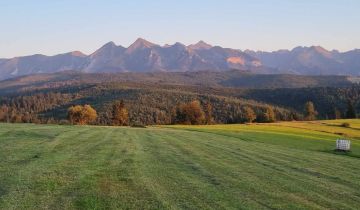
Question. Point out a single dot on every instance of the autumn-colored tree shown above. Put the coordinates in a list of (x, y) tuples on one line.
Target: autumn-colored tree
[(4, 114), (75, 114), (208, 113), (191, 114), (337, 114), (26, 118), (120, 115), (15, 116), (269, 114), (249, 114), (90, 114), (294, 116), (310, 112), (81, 115)]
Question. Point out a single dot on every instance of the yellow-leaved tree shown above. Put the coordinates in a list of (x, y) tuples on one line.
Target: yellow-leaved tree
[(81, 115), (120, 115)]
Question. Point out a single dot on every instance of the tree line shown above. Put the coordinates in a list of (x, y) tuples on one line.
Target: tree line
[(192, 113)]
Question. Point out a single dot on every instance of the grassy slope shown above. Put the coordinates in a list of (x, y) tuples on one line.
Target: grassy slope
[(316, 136), (284, 165)]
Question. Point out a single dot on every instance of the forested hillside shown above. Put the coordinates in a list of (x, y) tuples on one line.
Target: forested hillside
[(327, 100), (147, 104), (233, 78), (160, 98)]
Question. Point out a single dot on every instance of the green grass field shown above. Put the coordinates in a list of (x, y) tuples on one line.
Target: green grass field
[(260, 166)]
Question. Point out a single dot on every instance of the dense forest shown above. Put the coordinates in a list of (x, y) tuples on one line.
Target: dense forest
[(331, 102), (146, 105), (60, 98)]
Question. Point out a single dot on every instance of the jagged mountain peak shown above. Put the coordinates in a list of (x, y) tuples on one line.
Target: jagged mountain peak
[(77, 54), (314, 48), (107, 49), (321, 51), (141, 43), (178, 45), (317, 50), (200, 46), (109, 45), (299, 49)]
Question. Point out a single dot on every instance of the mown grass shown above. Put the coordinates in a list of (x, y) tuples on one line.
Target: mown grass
[(260, 166)]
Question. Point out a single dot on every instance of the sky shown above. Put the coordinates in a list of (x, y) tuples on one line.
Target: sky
[(57, 26)]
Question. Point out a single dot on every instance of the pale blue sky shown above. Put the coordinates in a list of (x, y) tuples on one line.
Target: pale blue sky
[(56, 26)]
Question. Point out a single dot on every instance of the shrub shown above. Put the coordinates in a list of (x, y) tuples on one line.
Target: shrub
[(64, 122), (345, 125), (138, 125)]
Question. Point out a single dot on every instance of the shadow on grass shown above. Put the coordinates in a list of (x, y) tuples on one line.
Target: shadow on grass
[(341, 126), (343, 153), (2, 191)]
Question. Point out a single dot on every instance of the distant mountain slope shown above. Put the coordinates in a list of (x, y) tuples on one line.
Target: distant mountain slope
[(227, 79), (313, 60), (42, 64), (144, 56)]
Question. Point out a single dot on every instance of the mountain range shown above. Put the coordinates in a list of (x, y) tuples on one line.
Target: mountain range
[(313, 60), (144, 56)]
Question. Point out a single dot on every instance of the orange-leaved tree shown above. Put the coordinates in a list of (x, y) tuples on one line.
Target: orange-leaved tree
[(191, 114), (120, 115)]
